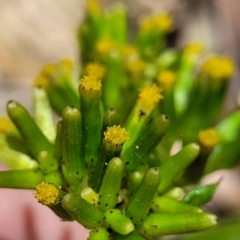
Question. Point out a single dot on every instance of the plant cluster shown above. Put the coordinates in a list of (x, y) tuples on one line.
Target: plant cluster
[(139, 128)]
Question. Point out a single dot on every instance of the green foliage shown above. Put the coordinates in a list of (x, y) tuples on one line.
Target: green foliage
[(111, 154)]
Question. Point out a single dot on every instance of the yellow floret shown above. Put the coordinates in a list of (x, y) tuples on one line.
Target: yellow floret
[(135, 66), (116, 135), (166, 79), (149, 97), (193, 48), (218, 67), (105, 46), (93, 6), (6, 125), (95, 69), (208, 138), (40, 81), (164, 22), (67, 64), (49, 70), (147, 24), (47, 193), (129, 51), (91, 83)]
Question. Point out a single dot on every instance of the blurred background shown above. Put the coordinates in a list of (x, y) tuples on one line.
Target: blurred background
[(34, 33)]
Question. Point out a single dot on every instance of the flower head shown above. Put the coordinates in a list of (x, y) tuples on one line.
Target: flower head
[(93, 7), (147, 24), (149, 97), (67, 64), (105, 46), (129, 51), (40, 81), (95, 69), (116, 135), (47, 193), (164, 22), (5, 125), (135, 66), (193, 48), (166, 79), (218, 67), (48, 70), (90, 83), (208, 138)]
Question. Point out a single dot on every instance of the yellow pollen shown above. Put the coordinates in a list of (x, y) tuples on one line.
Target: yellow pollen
[(91, 83), (135, 66), (49, 70), (67, 64), (208, 138), (147, 24), (47, 193), (166, 79), (105, 46), (116, 135), (6, 125), (129, 51), (95, 69), (149, 97), (193, 48), (218, 67), (164, 22), (93, 6), (40, 81)]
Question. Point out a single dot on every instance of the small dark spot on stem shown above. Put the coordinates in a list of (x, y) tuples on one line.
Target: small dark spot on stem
[(141, 113), (166, 117)]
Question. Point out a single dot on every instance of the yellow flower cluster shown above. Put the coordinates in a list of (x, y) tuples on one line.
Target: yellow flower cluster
[(166, 79), (218, 67), (135, 66), (149, 97), (193, 48), (208, 138), (47, 194), (95, 69), (162, 22), (91, 83), (6, 125), (129, 51), (105, 46), (93, 7), (116, 135)]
